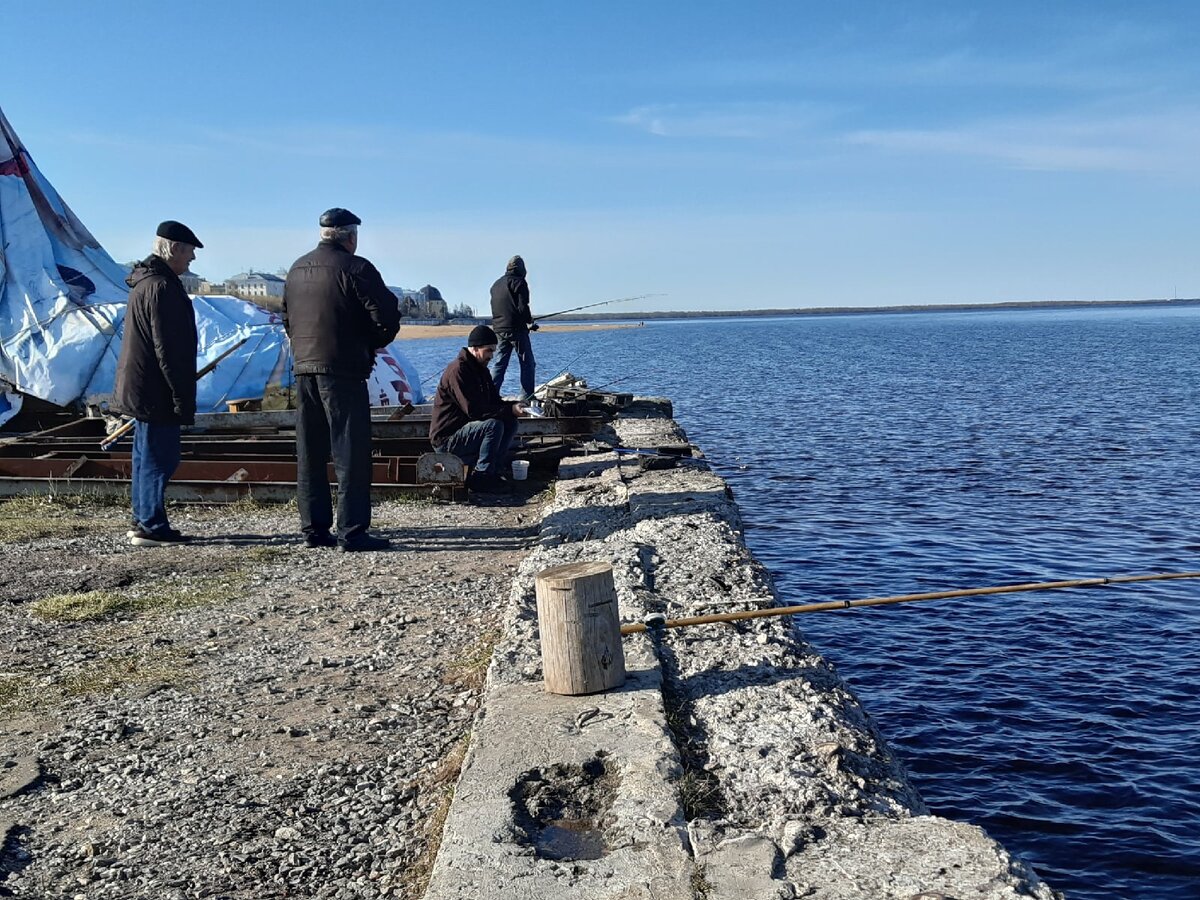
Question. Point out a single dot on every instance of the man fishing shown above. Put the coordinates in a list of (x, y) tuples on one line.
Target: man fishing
[(512, 321), (469, 417)]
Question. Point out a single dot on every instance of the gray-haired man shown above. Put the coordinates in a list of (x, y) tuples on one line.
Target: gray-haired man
[(156, 376), (337, 312)]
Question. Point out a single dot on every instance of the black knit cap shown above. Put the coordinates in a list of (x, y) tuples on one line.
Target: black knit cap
[(177, 231), (337, 217), (482, 336)]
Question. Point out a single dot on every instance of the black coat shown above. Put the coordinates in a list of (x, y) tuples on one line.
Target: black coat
[(337, 312), (156, 371), (465, 394), (510, 303)]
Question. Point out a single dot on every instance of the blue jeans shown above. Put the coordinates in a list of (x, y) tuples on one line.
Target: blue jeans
[(483, 444), (156, 456), (508, 341), (333, 417)]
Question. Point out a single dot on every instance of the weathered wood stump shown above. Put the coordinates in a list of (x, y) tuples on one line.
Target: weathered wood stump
[(580, 629)]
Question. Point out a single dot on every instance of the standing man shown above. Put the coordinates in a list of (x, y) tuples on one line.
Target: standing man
[(512, 320), (156, 377), (337, 313), (469, 418)]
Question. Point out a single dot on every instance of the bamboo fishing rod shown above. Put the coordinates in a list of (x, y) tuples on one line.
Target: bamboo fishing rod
[(657, 622)]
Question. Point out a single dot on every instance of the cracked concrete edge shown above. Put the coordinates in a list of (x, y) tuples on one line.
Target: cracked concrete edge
[(816, 805)]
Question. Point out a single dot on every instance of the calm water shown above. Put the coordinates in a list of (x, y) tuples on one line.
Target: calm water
[(886, 454)]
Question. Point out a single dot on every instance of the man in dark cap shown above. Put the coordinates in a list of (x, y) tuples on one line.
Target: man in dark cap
[(156, 377), (512, 319), (337, 312), (469, 418)]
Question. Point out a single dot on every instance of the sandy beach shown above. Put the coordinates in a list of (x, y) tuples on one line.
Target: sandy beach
[(412, 332)]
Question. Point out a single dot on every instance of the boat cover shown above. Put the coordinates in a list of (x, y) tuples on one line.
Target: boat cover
[(62, 308)]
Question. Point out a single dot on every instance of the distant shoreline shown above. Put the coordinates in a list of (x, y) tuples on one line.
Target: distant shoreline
[(868, 310), (417, 332)]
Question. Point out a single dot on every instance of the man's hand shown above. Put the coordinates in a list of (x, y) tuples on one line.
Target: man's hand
[(520, 410), (534, 327)]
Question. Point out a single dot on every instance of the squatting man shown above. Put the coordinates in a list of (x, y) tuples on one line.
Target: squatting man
[(470, 419)]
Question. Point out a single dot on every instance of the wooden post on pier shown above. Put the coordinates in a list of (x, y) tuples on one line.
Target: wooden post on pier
[(580, 628)]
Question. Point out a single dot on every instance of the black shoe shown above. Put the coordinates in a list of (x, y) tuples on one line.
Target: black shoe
[(320, 539), (143, 538), (486, 483), (363, 543)]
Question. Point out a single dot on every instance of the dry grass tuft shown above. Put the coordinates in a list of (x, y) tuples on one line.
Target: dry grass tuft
[(158, 597)]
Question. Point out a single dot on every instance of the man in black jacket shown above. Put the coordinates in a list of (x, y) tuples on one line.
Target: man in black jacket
[(513, 320), (469, 418), (337, 312), (156, 377)]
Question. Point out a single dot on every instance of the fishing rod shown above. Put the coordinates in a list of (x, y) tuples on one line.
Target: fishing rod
[(563, 312), (623, 379), (659, 622), (703, 461), (127, 422)]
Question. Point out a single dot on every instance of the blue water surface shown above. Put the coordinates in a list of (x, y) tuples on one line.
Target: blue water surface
[(891, 453)]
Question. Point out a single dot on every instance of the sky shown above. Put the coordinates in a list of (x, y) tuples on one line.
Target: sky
[(716, 155)]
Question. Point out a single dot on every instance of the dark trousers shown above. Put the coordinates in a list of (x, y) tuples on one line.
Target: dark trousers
[(506, 343), (156, 456), (333, 417)]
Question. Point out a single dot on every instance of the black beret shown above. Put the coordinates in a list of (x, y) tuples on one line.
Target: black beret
[(337, 217), (482, 336), (177, 231)]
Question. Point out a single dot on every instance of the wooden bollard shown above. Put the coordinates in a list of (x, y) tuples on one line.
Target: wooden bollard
[(580, 629)]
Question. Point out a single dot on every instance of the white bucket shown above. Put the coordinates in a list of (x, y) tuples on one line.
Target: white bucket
[(520, 469)]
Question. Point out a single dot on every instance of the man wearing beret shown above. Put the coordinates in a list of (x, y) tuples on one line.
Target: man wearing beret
[(513, 320), (337, 312), (469, 417), (156, 376)]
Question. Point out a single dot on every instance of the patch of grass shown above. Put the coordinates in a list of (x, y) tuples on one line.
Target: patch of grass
[(470, 669), (268, 554), (115, 672), (699, 795), (700, 884), (14, 689), (156, 597), (107, 675), (81, 607), (416, 876), (30, 518)]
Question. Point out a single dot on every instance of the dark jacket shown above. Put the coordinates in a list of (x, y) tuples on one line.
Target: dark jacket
[(510, 301), (156, 371), (337, 312), (465, 394)]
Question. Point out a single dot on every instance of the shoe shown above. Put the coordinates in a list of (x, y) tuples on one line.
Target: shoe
[(364, 543), (320, 539), (486, 483), (143, 538)]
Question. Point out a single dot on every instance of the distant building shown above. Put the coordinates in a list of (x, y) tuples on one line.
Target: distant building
[(191, 282), (255, 285), (427, 303), (212, 287)]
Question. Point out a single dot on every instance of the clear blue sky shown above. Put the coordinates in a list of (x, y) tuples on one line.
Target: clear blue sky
[(726, 155)]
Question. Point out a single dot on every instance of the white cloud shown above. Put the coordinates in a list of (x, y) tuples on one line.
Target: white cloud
[(744, 121), (1159, 143)]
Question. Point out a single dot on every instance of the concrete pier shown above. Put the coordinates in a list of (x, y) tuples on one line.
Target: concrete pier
[(733, 763)]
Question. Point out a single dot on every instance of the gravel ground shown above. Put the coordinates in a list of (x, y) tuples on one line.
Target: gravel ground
[(240, 717)]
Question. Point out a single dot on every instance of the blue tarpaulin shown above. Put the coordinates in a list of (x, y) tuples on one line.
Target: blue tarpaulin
[(62, 308)]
